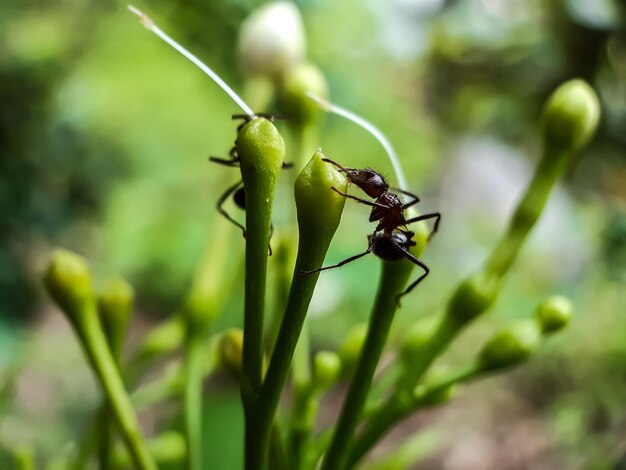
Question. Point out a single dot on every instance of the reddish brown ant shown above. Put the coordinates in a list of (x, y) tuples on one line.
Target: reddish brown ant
[(388, 241), (237, 190), (387, 207)]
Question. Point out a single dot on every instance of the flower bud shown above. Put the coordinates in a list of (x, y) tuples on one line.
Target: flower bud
[(510, 346), (165, 338), (326, 369), (414, 339), (230, 351), (115, 305), (272, 40), (471, 298), (554, 314), (350, 349), (294, 102), (319, 208), (261, 150), (436, 396), (68, 282), (570, 116)]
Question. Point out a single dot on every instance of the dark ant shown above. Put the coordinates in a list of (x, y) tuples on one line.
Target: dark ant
[(388, 247), (387, 208), (388, 241), (237, 190)]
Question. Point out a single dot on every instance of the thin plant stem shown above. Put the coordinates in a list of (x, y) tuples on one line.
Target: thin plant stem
[(372, 129), (193, 401), (151, 26), (104, 366), (393, 280)]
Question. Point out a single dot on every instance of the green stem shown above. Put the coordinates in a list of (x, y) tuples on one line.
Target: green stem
[(257, 240), (103, 364), (193, 401), (310, 257), (261, 151), (393, 280), (528, 211)]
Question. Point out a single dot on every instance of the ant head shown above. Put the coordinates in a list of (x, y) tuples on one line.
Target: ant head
[(370, 181)]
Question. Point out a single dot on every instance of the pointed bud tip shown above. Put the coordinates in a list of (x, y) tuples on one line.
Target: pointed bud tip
[(319, 206)]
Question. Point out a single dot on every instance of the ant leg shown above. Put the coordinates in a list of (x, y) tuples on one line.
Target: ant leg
[(287, 165), (415, 200), (225, 161), (430, 215), (362, 201), (338, 265), (221, 201), (269, 245), (413, 259), (245, 117)]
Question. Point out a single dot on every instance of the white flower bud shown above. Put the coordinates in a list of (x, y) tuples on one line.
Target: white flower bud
[(272, 40)]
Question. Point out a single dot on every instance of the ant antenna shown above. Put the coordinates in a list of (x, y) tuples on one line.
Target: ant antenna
[(151, 25), (369, 127)]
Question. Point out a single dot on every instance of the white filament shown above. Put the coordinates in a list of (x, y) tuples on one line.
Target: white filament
[(369, 127), (151, 25)]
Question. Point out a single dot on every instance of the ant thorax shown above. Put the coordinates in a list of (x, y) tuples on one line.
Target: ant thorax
[(392, 214)]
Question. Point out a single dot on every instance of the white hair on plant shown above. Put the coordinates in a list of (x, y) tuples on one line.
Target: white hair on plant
[(369, 127), (151, 25)]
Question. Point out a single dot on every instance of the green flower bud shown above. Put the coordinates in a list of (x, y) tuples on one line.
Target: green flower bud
[(260, 144), (436, 396), (261, 150), (230, 351), (350, 349), (272, 40), (319, 207), (471, 298), (510, 346), (554, 314), (115, 305), (570, 116), (165, 338), (294, 101), (68, 282), (413, 342), (326, 369)]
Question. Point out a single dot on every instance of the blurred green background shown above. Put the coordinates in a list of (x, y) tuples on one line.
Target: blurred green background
[(104, 139)]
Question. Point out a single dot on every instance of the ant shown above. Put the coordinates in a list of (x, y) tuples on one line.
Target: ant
[(237, 190), (388, 241), (387, 208)]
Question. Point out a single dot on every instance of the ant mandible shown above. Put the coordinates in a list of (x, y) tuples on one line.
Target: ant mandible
[(237, 190)]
